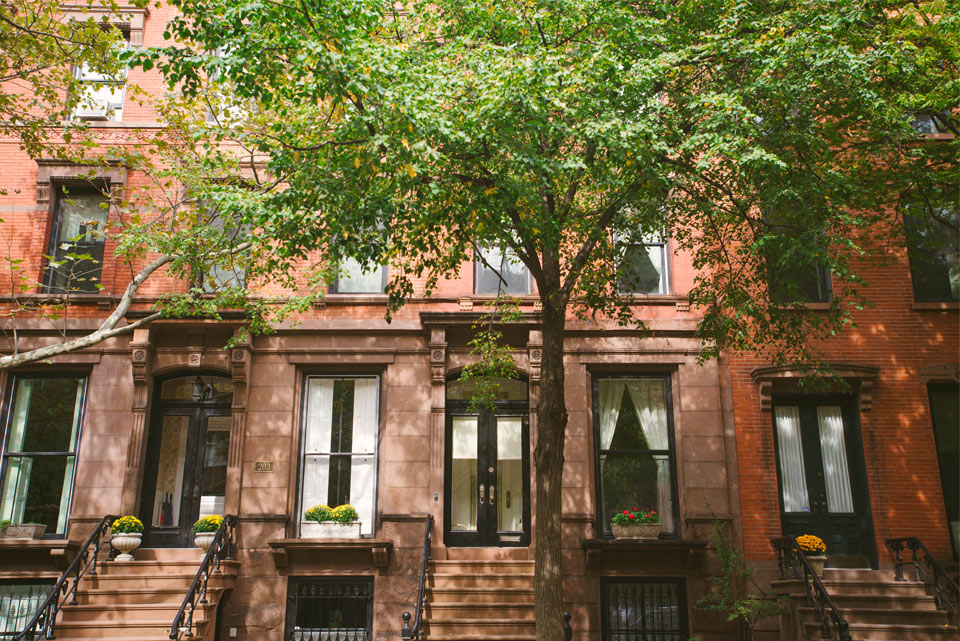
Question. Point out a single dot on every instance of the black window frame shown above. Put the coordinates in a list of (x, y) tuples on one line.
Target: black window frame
[(602, 526), (74, 186), (8, 406), (293, 583), (821, 276), (651, 635), (479, 266), (335, 287), (910, 223), (932, 387)]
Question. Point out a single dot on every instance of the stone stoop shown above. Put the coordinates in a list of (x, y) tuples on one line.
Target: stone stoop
[(480, 600), (877, 607), (137, 600)]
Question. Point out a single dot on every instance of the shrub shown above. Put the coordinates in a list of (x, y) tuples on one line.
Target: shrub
[(208, 524), (127, 525), (319, 513)]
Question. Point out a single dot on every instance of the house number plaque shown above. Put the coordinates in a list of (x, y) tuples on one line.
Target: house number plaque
[(263, 466)]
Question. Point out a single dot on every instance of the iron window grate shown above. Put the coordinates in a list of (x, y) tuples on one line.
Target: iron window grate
[(644, 610), (329, 609)]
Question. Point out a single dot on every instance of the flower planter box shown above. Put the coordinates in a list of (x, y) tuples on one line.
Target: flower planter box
[(638, 531), (24, 531), (817, 562), (125, 543), (329, 530)]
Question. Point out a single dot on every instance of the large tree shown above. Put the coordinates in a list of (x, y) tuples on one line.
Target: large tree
[(770, 140)]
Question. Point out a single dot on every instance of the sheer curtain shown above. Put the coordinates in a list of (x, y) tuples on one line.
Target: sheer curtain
[(791, 460), (649, 401), (834, 451), (17, 483), (611, 395)]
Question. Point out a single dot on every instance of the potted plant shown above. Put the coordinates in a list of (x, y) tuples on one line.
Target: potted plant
[(125, 535), (205, 529), (324, 522), (815, 550), (634, 523), (10, 530)]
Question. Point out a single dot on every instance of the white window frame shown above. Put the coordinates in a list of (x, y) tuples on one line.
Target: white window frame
[(506, 254), (652, 241), (112, 91)]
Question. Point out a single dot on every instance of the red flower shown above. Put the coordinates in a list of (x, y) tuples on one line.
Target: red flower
[(653, 511), (636, 509), (625, 512), (631, 516)]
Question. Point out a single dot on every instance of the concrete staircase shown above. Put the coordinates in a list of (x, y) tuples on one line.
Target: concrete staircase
[(877, 607), (480, 600), (137, 600)]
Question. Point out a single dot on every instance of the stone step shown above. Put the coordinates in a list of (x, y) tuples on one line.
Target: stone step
[(176, 580), (484, 628), (487, 554), (141, 629), (168, 554), (106, 614), (878, 601), (883, 616), (521, 595), (489, 581), (482, 567), (890, 632), (846, 574), (134, 596), (466, 610), (835, 587)]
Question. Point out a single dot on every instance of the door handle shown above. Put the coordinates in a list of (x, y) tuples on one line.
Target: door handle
[(493, 489), (481, 494)]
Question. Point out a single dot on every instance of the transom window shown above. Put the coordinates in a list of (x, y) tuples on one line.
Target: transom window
[(43, 425), (340, 444), (501, 272), (334, 609), (634, 448), (644, 609)]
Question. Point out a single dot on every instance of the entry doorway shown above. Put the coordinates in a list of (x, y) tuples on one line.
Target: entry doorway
[(822, 477), (185, 474), (487, 468)]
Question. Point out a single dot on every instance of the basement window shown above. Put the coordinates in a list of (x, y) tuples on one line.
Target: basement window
[(329, 609), (19, 602), (649, 609)]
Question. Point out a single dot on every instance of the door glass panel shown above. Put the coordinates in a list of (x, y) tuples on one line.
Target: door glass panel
[(509, 490), (213, 483), (463, 500), (834, 451), (508, 389), (173, 448), (793, 481), (188, 388)]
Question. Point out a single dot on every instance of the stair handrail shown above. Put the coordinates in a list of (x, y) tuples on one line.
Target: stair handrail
[(408, 632), (789, 555), (221, 549), (84, 563), (946, 592)]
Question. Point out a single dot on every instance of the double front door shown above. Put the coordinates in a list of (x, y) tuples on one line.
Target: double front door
[(186, 466), (487, 478), (823, 486)]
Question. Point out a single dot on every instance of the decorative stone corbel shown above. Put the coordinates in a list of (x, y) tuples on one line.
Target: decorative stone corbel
[(239, 371), (141, 360), (438, 385), (783, 380)]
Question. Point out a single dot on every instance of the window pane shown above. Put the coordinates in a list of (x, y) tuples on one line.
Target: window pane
[(359, 279), (36, 489), (515, 279), (933, 246), (636, 480), (641, 271), (643, 611), (836, 475), (508, 389), (793, 481), (173, 449), (46, 415), (945, 410), (509, 488), (795, 273), (214, 479), (463, 494)]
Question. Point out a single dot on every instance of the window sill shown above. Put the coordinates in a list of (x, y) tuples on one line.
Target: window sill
[(321, 552), (32, 554), (923, 306), (612, 552)]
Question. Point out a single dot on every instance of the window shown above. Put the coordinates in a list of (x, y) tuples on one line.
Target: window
[(356, 278), (77, 239), (796, 275), (19, 601), (101, 95), (931, 123), (508, 276), (643, 269), (334, 609), (647, 609), (933, 246), (634, 448), (340, 444), (945, 413), (230, 272), (43, 421)]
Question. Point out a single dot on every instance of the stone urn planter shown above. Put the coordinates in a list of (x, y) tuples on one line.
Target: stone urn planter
[(24, 531), (204, 540), (816, 562), (329, 530), (125, 544), (637, 531)]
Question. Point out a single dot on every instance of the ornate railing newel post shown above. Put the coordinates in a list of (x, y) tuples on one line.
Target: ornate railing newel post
[(406, 632), (898, 567)]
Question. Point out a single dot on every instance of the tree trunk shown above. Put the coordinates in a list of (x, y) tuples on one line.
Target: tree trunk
[(548, 459)]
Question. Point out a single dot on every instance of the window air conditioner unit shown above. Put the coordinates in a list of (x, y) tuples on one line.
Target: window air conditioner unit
[(96, 108)]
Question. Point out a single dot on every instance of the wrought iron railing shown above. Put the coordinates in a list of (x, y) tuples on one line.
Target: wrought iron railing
[(939, 584), (415, 631), (42, 624), (789, 556), (221, 549)]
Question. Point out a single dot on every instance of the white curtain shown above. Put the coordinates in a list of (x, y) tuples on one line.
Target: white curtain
[(793, 480), (649, 402), (17, 483), (363, 471), (611, 396), (834, 451)]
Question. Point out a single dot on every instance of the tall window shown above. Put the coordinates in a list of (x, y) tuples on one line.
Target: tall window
[(329, 609), (644, 268), (933, 245), (647, 609), (634, 448), (501, 272), (356, 278), (340, 445), (41, 450), (230, 271), (796, 274), (101, 95), (945, 412), (77, 239)]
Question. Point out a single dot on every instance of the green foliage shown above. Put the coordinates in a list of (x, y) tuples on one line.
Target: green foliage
[(735, 592), (340, 514), (631, 516), (4, 524), (494, 357)]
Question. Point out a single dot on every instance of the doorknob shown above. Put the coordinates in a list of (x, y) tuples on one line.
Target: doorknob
[(481, 494), (493, 489)]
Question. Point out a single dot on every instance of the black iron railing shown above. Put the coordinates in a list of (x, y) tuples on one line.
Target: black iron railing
[(415, 631), (939, 584), (42, 624), (789, 556), (221, 549)]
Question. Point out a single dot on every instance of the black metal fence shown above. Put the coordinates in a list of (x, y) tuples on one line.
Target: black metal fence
[(329, 609), (18, 603), (644, 610)]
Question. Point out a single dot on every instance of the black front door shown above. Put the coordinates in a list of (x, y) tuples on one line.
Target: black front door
[(186, 467), (822, 481), (487, 477)]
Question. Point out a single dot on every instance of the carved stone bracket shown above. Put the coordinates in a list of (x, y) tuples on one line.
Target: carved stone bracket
[(240, 357), (141, 361), (534, 359), (774, 380), (438, 392)]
